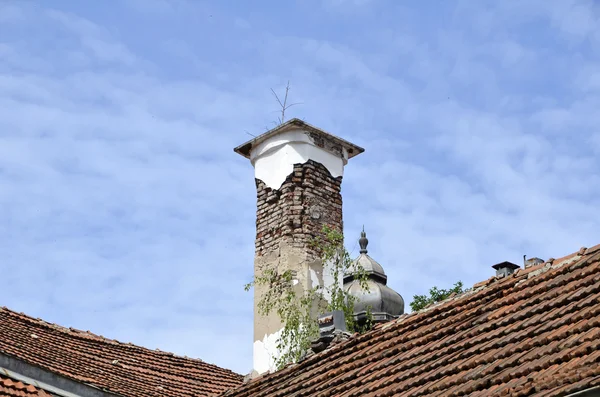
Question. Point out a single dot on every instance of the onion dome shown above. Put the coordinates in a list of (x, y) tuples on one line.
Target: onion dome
[(383, 302)]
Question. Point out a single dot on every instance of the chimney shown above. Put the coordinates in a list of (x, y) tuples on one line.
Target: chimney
[(532, 261), (504, 269), (298, 172)]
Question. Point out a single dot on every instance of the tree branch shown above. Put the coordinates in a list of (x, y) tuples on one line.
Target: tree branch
[(283, 104)]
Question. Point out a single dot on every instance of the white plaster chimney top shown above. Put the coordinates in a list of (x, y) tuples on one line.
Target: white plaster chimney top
[(294, 124), (274, 153)]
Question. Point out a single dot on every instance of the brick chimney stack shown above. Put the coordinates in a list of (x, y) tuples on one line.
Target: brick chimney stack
[(298, 174)]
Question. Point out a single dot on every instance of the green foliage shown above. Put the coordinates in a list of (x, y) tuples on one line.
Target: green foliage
[(298, 308), (435, 295), (333, 252), (293, 307)]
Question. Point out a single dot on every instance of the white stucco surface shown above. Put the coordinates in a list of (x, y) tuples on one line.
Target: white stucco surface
[(329, 279), (265, 353), (274, 159)]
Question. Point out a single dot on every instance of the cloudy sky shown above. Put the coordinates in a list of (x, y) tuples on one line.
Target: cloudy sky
[(125, 211)]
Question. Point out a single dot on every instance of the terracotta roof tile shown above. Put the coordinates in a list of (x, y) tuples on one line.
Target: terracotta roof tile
[(534, 333), (593, 249), (121, 368), (13, 388)]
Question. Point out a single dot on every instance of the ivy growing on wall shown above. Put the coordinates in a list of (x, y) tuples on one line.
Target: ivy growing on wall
[(299, 306)]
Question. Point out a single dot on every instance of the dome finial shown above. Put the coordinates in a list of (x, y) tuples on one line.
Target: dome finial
[(363, 241)]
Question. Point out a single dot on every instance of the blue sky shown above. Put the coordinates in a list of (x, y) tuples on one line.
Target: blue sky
[(124, 211)]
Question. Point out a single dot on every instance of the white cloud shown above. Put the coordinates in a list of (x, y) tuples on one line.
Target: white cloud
[(124, 205)]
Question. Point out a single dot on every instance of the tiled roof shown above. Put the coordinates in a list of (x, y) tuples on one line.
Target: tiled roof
[(533, 333), (120, 368), (13, 388)]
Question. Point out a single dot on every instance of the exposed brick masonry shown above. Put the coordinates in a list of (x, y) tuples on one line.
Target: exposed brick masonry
[(309, 198)]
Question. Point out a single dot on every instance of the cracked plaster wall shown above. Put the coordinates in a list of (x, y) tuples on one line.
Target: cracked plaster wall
[(287, 220)]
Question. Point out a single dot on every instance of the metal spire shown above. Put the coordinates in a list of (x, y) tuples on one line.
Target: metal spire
[(363, 241)]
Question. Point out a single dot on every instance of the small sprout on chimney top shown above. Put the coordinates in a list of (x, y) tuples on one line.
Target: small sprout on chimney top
[(284, 105)]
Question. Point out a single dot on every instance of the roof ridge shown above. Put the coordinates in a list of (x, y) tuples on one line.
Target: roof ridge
[(549, 263), (530, 272), (88, 335)]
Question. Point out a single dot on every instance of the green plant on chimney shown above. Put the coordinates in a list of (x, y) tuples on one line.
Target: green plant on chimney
[(298, 308)]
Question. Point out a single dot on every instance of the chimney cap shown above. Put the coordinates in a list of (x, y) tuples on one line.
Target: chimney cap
[(245, 148), (505, 265), (505, 268)]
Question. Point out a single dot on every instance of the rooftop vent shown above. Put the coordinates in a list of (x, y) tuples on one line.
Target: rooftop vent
[(532, 261), (331, 322), (332, 328), (505, 268)]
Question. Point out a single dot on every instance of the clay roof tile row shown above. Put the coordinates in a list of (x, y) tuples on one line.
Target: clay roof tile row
[(533, 333), (13, 388), (120, 368)]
